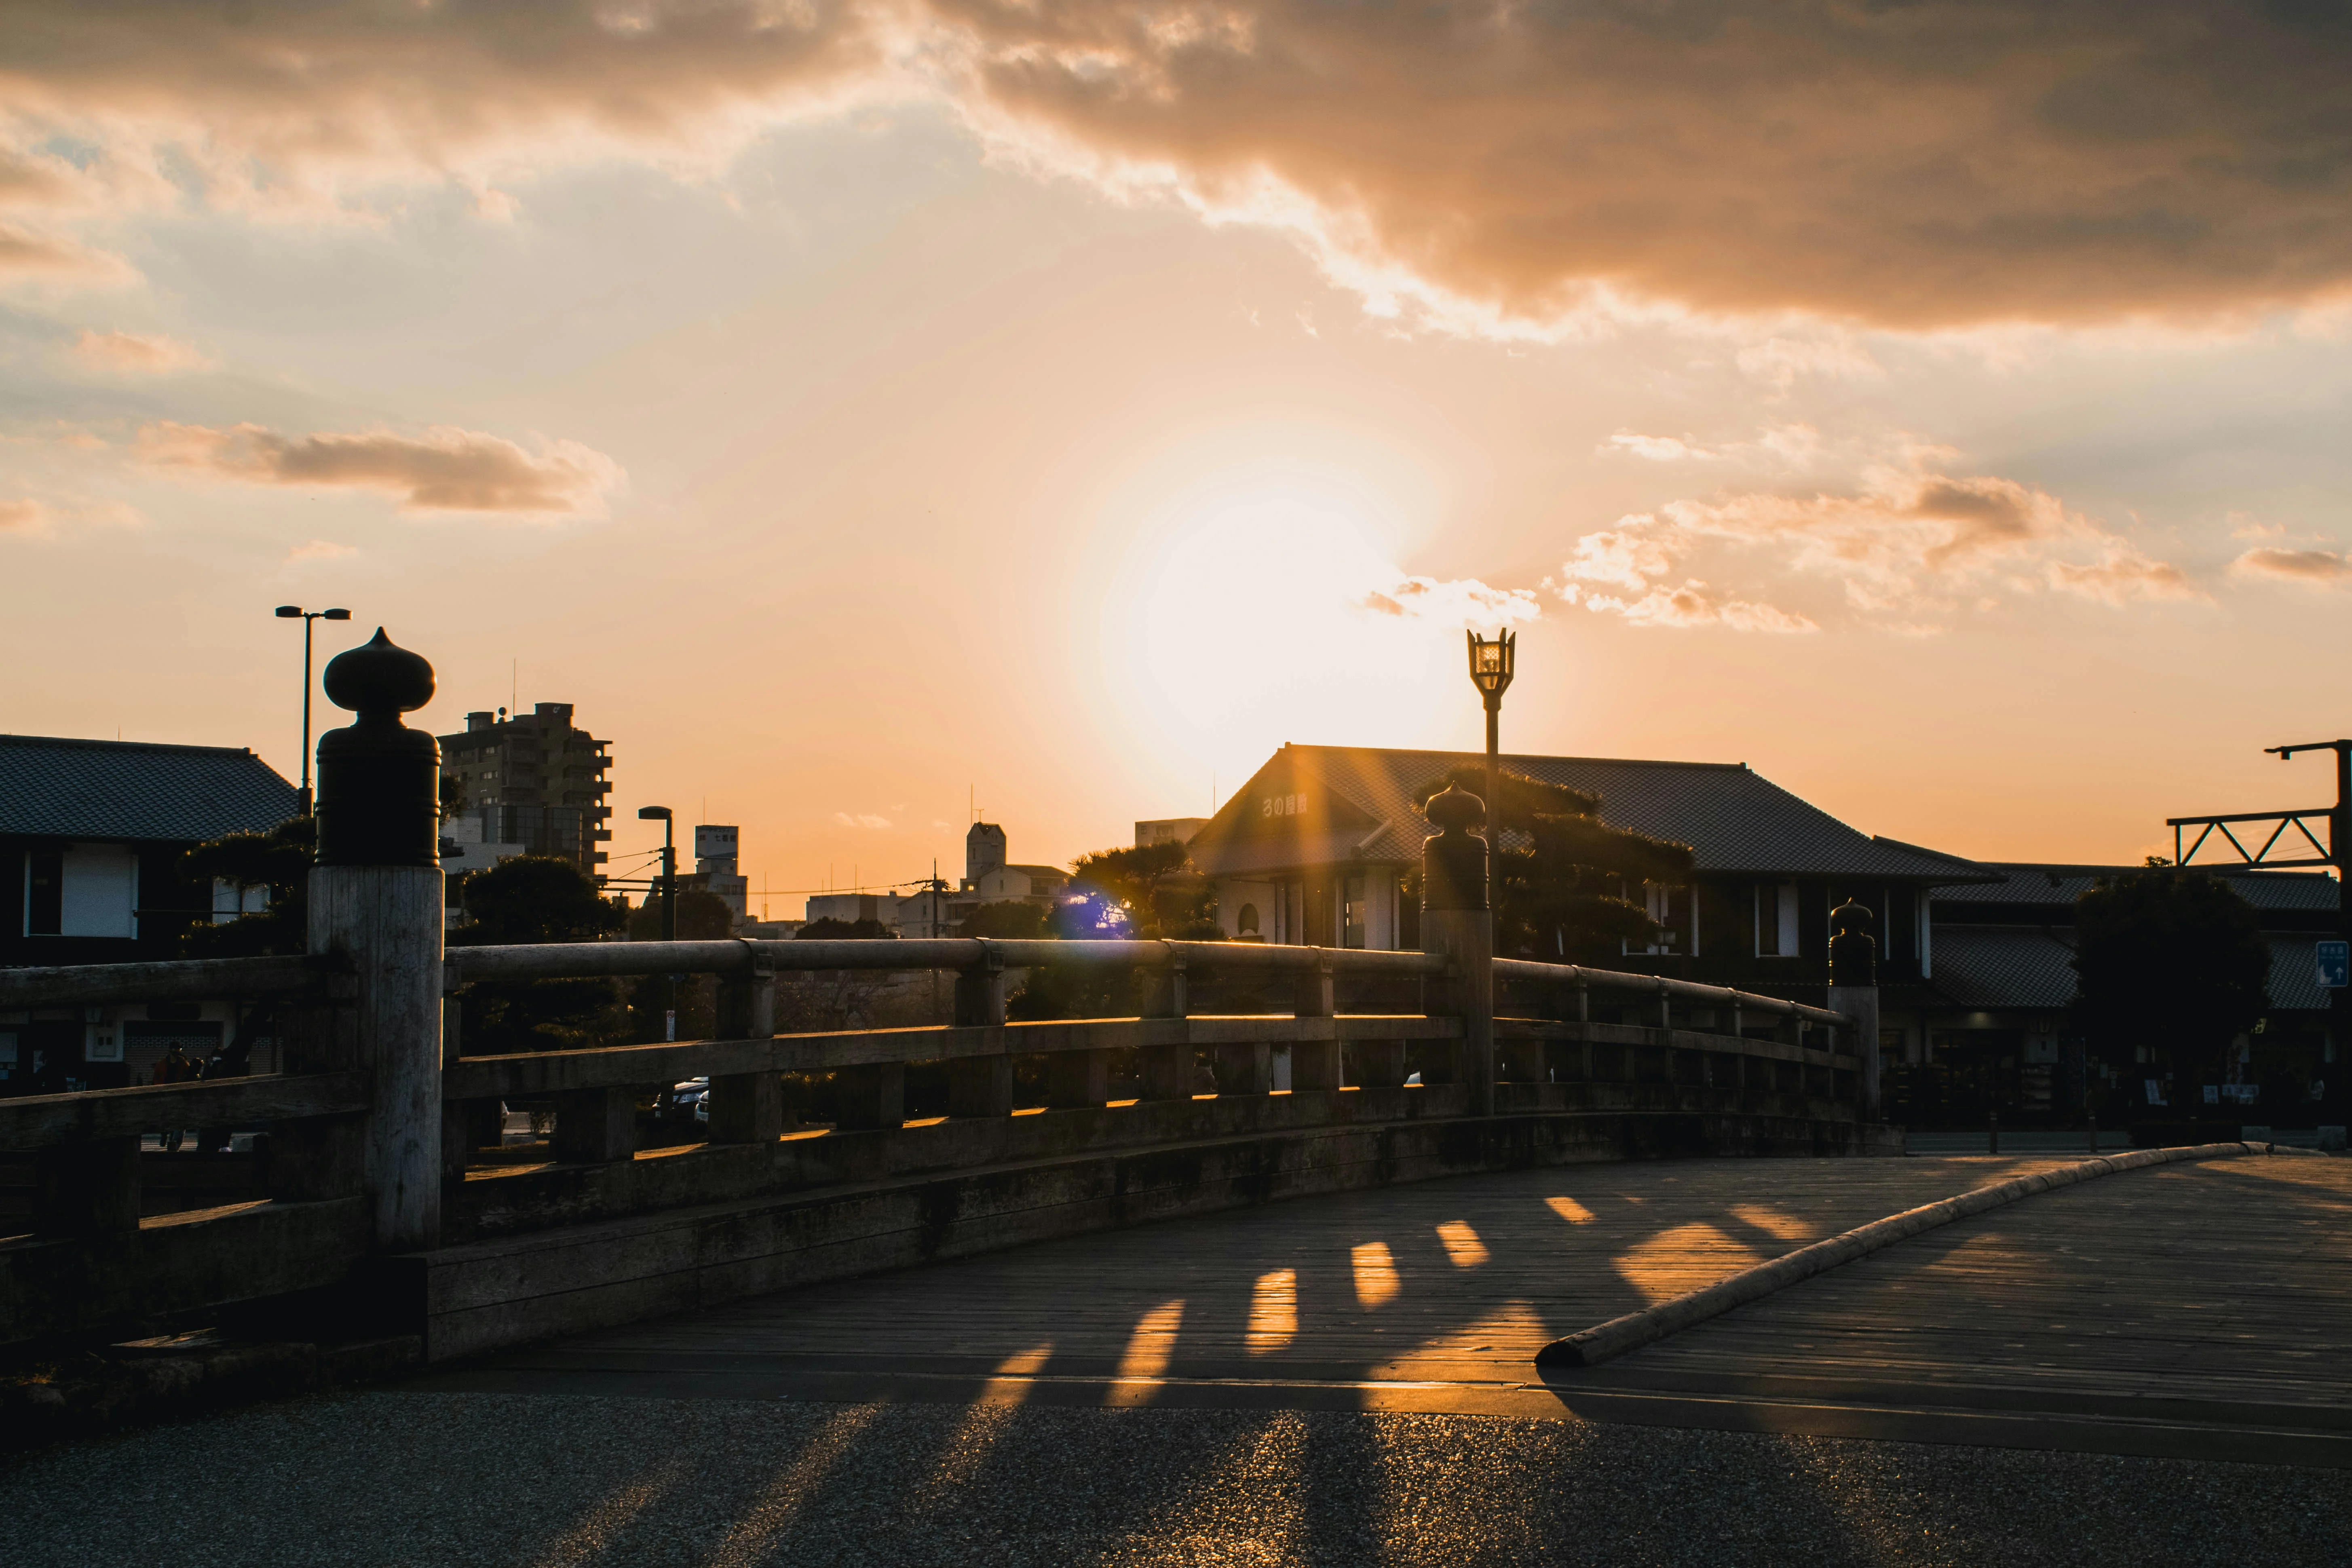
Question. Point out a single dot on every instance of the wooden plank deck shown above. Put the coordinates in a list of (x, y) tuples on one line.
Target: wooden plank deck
[(2143, 1312)]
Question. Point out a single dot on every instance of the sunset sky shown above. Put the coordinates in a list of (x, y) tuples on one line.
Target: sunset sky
[(1941, 407)]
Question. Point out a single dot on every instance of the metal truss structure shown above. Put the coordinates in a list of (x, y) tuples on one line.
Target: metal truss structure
[(2293, 827)]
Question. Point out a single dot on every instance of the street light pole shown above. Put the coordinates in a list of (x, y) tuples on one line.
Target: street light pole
[(287, 613), (662, 815), (2339, 851), (1492, 664)]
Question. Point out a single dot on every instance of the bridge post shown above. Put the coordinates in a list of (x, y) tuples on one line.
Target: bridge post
[(1854, 991), (1456, 921), (1315, 1064), (980, 1086), (747, 1108), (376, 899), (1166, 1072)]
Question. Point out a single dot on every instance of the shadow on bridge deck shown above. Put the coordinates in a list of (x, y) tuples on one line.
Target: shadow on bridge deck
[(2155, 1312), (1347, 1380)]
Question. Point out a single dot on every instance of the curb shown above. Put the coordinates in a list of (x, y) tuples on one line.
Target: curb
[(1606, 1342)]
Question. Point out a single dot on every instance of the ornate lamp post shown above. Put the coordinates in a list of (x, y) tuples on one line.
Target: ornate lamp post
[(287, 613), (1491, 664)]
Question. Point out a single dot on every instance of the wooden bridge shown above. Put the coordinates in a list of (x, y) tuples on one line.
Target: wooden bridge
[(1048, 1129), (1476, 1159)]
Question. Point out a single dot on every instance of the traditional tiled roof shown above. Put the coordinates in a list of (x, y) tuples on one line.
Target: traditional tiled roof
[(2002, 966), (127, 790), (2060, 885), (2015, 966), (1321, 804)]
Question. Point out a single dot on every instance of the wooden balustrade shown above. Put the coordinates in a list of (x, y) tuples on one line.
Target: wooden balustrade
[(1756, 1054)]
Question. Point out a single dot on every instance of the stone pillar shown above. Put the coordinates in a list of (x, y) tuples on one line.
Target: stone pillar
[(1854, 991), (1457, 922), (376, 900)]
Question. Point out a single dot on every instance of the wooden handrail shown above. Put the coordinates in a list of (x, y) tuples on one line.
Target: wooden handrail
[(194, 979), (544, 961), (41, 1120), (1659, 985), (617, 1066)]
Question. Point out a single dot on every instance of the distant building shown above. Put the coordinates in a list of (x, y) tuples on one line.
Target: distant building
[(94, 835), (1168, 830), (534, 780), (851, 908), (717, 868), (2004, 973), (990, 878)]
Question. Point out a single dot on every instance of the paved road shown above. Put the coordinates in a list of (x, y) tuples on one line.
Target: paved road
[(1347, 1380)]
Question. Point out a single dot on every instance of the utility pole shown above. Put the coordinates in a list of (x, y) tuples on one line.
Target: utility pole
[(2290, 830), (664, 815), (2339, 853)]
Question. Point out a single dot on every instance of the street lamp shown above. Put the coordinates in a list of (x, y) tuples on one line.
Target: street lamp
[(1491, 665), (291, 612), (661, 814)]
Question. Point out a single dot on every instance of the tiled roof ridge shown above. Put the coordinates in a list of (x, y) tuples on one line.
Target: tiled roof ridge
[(15, 740), (1506, 756)]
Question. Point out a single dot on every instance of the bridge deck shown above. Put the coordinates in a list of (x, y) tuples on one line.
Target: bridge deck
[(955, 1414), (2156, 1311)]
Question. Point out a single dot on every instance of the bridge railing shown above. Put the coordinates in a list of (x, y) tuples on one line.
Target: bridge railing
[(1177, 1070), (384, 1142)]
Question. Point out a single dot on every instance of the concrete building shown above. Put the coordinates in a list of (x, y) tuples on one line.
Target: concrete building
[(717, 870), (95, 835), (1168, 830), (534, 780), (989, 877)]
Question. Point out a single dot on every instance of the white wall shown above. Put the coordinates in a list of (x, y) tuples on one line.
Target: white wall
[(101, 889)]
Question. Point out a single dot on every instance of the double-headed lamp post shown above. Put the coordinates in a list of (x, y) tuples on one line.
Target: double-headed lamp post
[(661, 814), (1491, 665), (287, 613)]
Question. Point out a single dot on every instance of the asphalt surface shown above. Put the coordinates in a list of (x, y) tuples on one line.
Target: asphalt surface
[(537, 1481)]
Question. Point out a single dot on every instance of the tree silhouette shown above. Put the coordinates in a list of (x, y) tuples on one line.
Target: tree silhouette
[(2171, 960), (1559, 891)]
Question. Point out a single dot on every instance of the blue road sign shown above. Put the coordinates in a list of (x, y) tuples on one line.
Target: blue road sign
[(2335, 965)]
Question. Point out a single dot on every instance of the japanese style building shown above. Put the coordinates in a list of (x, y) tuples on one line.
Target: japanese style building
[(95, 835), (1315, 849)]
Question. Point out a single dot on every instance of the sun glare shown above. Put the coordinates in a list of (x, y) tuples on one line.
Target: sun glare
[(1253, 611)]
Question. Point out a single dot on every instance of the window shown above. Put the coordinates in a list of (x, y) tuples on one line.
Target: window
[(44, 891), (1245, 924), (1352, 921), (1776, 921)]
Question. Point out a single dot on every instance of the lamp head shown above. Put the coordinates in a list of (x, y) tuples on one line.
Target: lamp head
[(290, 612), (1492, 662), (331, 614), (653, 814)]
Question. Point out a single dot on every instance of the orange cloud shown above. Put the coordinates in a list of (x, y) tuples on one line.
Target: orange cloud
[(1904, 542), (27, 515), (2319, 566), (136, 352), (1918, 166), (445, 469), (25, 253), (1461, 601)]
